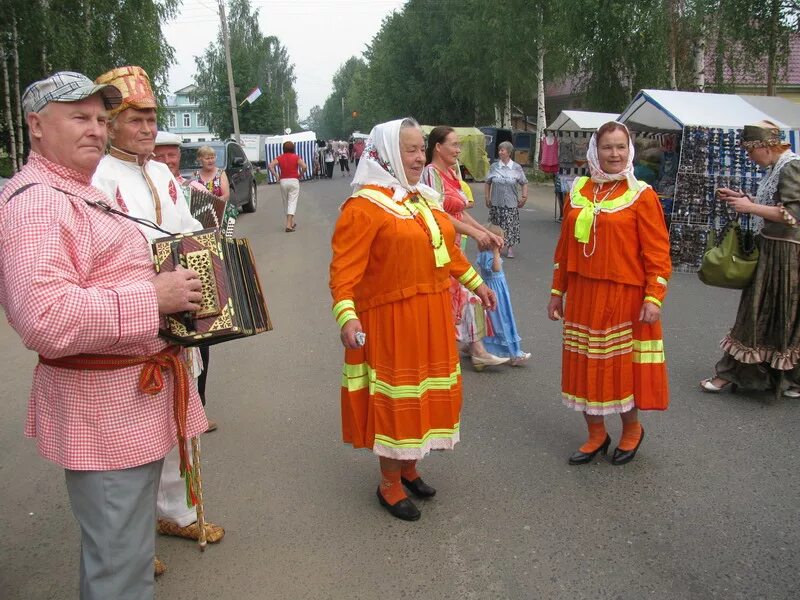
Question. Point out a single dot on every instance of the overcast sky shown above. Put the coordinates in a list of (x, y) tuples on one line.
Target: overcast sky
[(319, 36)]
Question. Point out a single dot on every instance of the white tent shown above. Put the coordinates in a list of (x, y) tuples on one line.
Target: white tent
[(580, 120), (669, 110), (300, 136), (782, 110)]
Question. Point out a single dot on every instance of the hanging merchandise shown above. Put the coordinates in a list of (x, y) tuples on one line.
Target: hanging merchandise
[(710, 158), (548, 153)]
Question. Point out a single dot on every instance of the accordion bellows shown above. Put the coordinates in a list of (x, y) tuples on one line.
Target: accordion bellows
[(232, 304), (206, 208)]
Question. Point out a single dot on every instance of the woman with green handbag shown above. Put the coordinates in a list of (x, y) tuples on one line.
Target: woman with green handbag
[(762, 350)]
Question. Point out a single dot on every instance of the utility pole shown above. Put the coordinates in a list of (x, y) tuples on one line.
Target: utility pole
[(231, 89)]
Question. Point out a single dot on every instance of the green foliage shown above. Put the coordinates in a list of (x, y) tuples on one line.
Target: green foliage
[(257, 61), (454, 61), (336, 120), (88, 36)]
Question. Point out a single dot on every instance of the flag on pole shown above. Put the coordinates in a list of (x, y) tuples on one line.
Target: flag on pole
[(252, 96)]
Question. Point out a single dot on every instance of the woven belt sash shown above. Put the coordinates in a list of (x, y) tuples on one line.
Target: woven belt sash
[(151, 382)]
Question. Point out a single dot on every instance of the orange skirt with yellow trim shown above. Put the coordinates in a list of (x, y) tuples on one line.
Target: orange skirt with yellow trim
[(611, 362), (401, 392)]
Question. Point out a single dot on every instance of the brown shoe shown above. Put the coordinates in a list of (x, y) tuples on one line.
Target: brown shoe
[(214, 533), (212, 426), (159, 568)]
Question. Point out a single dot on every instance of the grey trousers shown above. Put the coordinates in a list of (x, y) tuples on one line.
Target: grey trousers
[(117, 514)]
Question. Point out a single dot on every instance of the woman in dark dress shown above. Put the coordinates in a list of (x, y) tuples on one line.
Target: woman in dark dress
[(762, 350)]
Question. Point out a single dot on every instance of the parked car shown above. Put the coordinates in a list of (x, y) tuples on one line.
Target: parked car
[(232, 159)]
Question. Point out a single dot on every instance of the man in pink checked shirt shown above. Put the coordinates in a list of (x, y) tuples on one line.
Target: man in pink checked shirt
[(77, 284)]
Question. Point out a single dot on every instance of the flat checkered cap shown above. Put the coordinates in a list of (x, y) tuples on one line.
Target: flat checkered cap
[(66, 86)]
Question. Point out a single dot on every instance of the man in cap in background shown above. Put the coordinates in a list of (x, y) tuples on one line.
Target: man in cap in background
[(77, 284), (168, 151), (146, 189)]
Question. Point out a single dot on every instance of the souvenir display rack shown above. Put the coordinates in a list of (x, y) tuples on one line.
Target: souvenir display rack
[(710, 158)]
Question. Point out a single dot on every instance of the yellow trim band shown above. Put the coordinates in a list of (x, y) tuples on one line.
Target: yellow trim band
[(348, 315), (598, 351), (605, 338), (344, 311), (649, 358), (652, 300), (385, 440), (662, 281), (585, 402), (555, 292), (361, 376), (470, 279), (648, 345)]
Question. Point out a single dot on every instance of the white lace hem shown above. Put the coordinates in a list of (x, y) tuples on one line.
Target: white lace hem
[(447, 443)]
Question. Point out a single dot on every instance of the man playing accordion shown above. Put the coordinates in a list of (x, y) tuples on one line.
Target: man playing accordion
[(77, 284)]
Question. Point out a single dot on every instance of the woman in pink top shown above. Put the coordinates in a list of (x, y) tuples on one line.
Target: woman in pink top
[(291, 168), (441, 173)]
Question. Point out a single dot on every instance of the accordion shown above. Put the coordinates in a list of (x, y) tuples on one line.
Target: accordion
[(206, 207), (232, 304)]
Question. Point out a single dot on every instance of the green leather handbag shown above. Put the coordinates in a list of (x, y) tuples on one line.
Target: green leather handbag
[(731, 261)]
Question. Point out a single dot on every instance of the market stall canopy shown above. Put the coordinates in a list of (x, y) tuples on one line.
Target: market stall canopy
[(360, 136), (781, 109), (300, 136), (581, 120), (473, 150), (669, 110)]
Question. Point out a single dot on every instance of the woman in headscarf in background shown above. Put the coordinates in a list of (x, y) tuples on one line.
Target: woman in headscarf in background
[(610, 277), (394, 251), (762, 351)]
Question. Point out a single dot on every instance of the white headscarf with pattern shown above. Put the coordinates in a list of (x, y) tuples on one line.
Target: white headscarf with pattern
[(381, 163)]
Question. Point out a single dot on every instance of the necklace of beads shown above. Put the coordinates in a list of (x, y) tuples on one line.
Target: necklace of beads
[(421, 221), (595, 190)]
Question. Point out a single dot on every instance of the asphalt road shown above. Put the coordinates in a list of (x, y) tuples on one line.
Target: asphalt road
[(708, 509)]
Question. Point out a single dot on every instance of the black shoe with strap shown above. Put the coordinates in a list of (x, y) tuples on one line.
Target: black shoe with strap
[(405, 509), (581, 458)]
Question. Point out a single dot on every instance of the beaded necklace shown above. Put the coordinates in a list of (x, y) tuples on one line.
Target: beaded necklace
[(415, 214), (595, 189)]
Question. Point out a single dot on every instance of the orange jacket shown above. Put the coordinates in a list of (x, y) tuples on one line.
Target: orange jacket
[(381, 256), (628, 243)]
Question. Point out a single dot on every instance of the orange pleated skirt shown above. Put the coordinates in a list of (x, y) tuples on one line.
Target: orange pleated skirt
[(401, 392), (611, 362)]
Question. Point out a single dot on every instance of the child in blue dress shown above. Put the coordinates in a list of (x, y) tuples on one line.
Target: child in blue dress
[(505, 341)]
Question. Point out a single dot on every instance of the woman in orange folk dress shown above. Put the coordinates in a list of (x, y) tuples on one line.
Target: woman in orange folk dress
[(393, 254), (612, 265)]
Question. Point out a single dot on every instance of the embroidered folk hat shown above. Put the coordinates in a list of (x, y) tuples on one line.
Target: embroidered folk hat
[(762, 135), (134, 83), (67, 86)]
